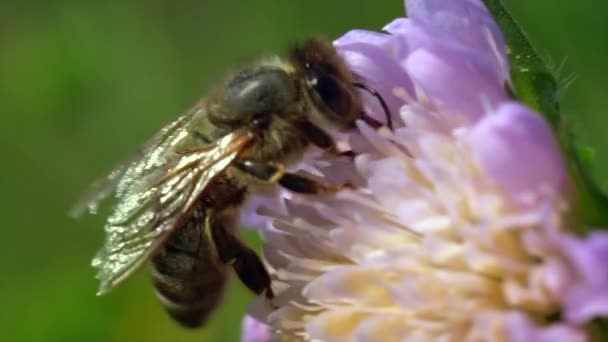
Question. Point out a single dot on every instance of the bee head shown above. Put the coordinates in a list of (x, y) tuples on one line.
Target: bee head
[(328, 80)]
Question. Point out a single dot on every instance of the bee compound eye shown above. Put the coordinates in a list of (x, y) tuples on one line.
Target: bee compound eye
[(331, 92), (261, 121)]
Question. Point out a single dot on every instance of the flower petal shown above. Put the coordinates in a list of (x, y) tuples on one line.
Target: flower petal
[(465, 23), (517, 150), (458, 83), (253, 330), (589, 299)]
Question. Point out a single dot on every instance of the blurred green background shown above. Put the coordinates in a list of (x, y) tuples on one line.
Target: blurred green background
[(83, 83)]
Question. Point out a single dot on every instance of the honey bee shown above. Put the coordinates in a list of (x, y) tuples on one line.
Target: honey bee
[(178, 199)]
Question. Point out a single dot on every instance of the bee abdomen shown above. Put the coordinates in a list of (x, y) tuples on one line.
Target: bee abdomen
[(189, 281), (188, 290)]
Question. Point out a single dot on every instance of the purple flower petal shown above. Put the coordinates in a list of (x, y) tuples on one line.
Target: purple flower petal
[(517, 150), (463, 24), (253, 330), (458, 82), (589, 255), (249, 214), (584, 304), (589, 299)]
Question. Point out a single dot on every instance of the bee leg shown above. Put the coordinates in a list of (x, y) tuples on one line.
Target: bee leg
[(252, 273), (307, 185), (318, 137), (372, 122), (244, 260), (275, 173)]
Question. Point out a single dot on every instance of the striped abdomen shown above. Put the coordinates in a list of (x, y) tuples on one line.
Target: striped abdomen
[(188, 276)]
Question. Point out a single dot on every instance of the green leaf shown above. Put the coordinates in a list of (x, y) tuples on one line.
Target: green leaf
[(534, 83), (586, 155)]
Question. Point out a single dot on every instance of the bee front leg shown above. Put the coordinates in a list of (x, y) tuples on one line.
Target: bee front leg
[(245, 262), (318, 137), (275, 173)]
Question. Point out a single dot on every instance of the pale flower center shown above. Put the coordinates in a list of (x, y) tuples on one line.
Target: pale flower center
[(418, 252)]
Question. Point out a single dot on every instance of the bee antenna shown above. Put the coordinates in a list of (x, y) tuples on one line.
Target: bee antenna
[(376, 94)]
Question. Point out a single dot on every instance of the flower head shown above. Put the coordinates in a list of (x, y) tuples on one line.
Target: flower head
[(458, 227)]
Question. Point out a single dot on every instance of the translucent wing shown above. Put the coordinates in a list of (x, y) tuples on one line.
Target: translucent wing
[(153, 198), (146, 159)]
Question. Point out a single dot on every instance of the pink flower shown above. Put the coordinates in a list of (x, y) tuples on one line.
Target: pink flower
[(459, 226)]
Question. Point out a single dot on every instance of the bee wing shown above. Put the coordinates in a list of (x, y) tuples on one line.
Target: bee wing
[(145, 159), (147, 212)]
